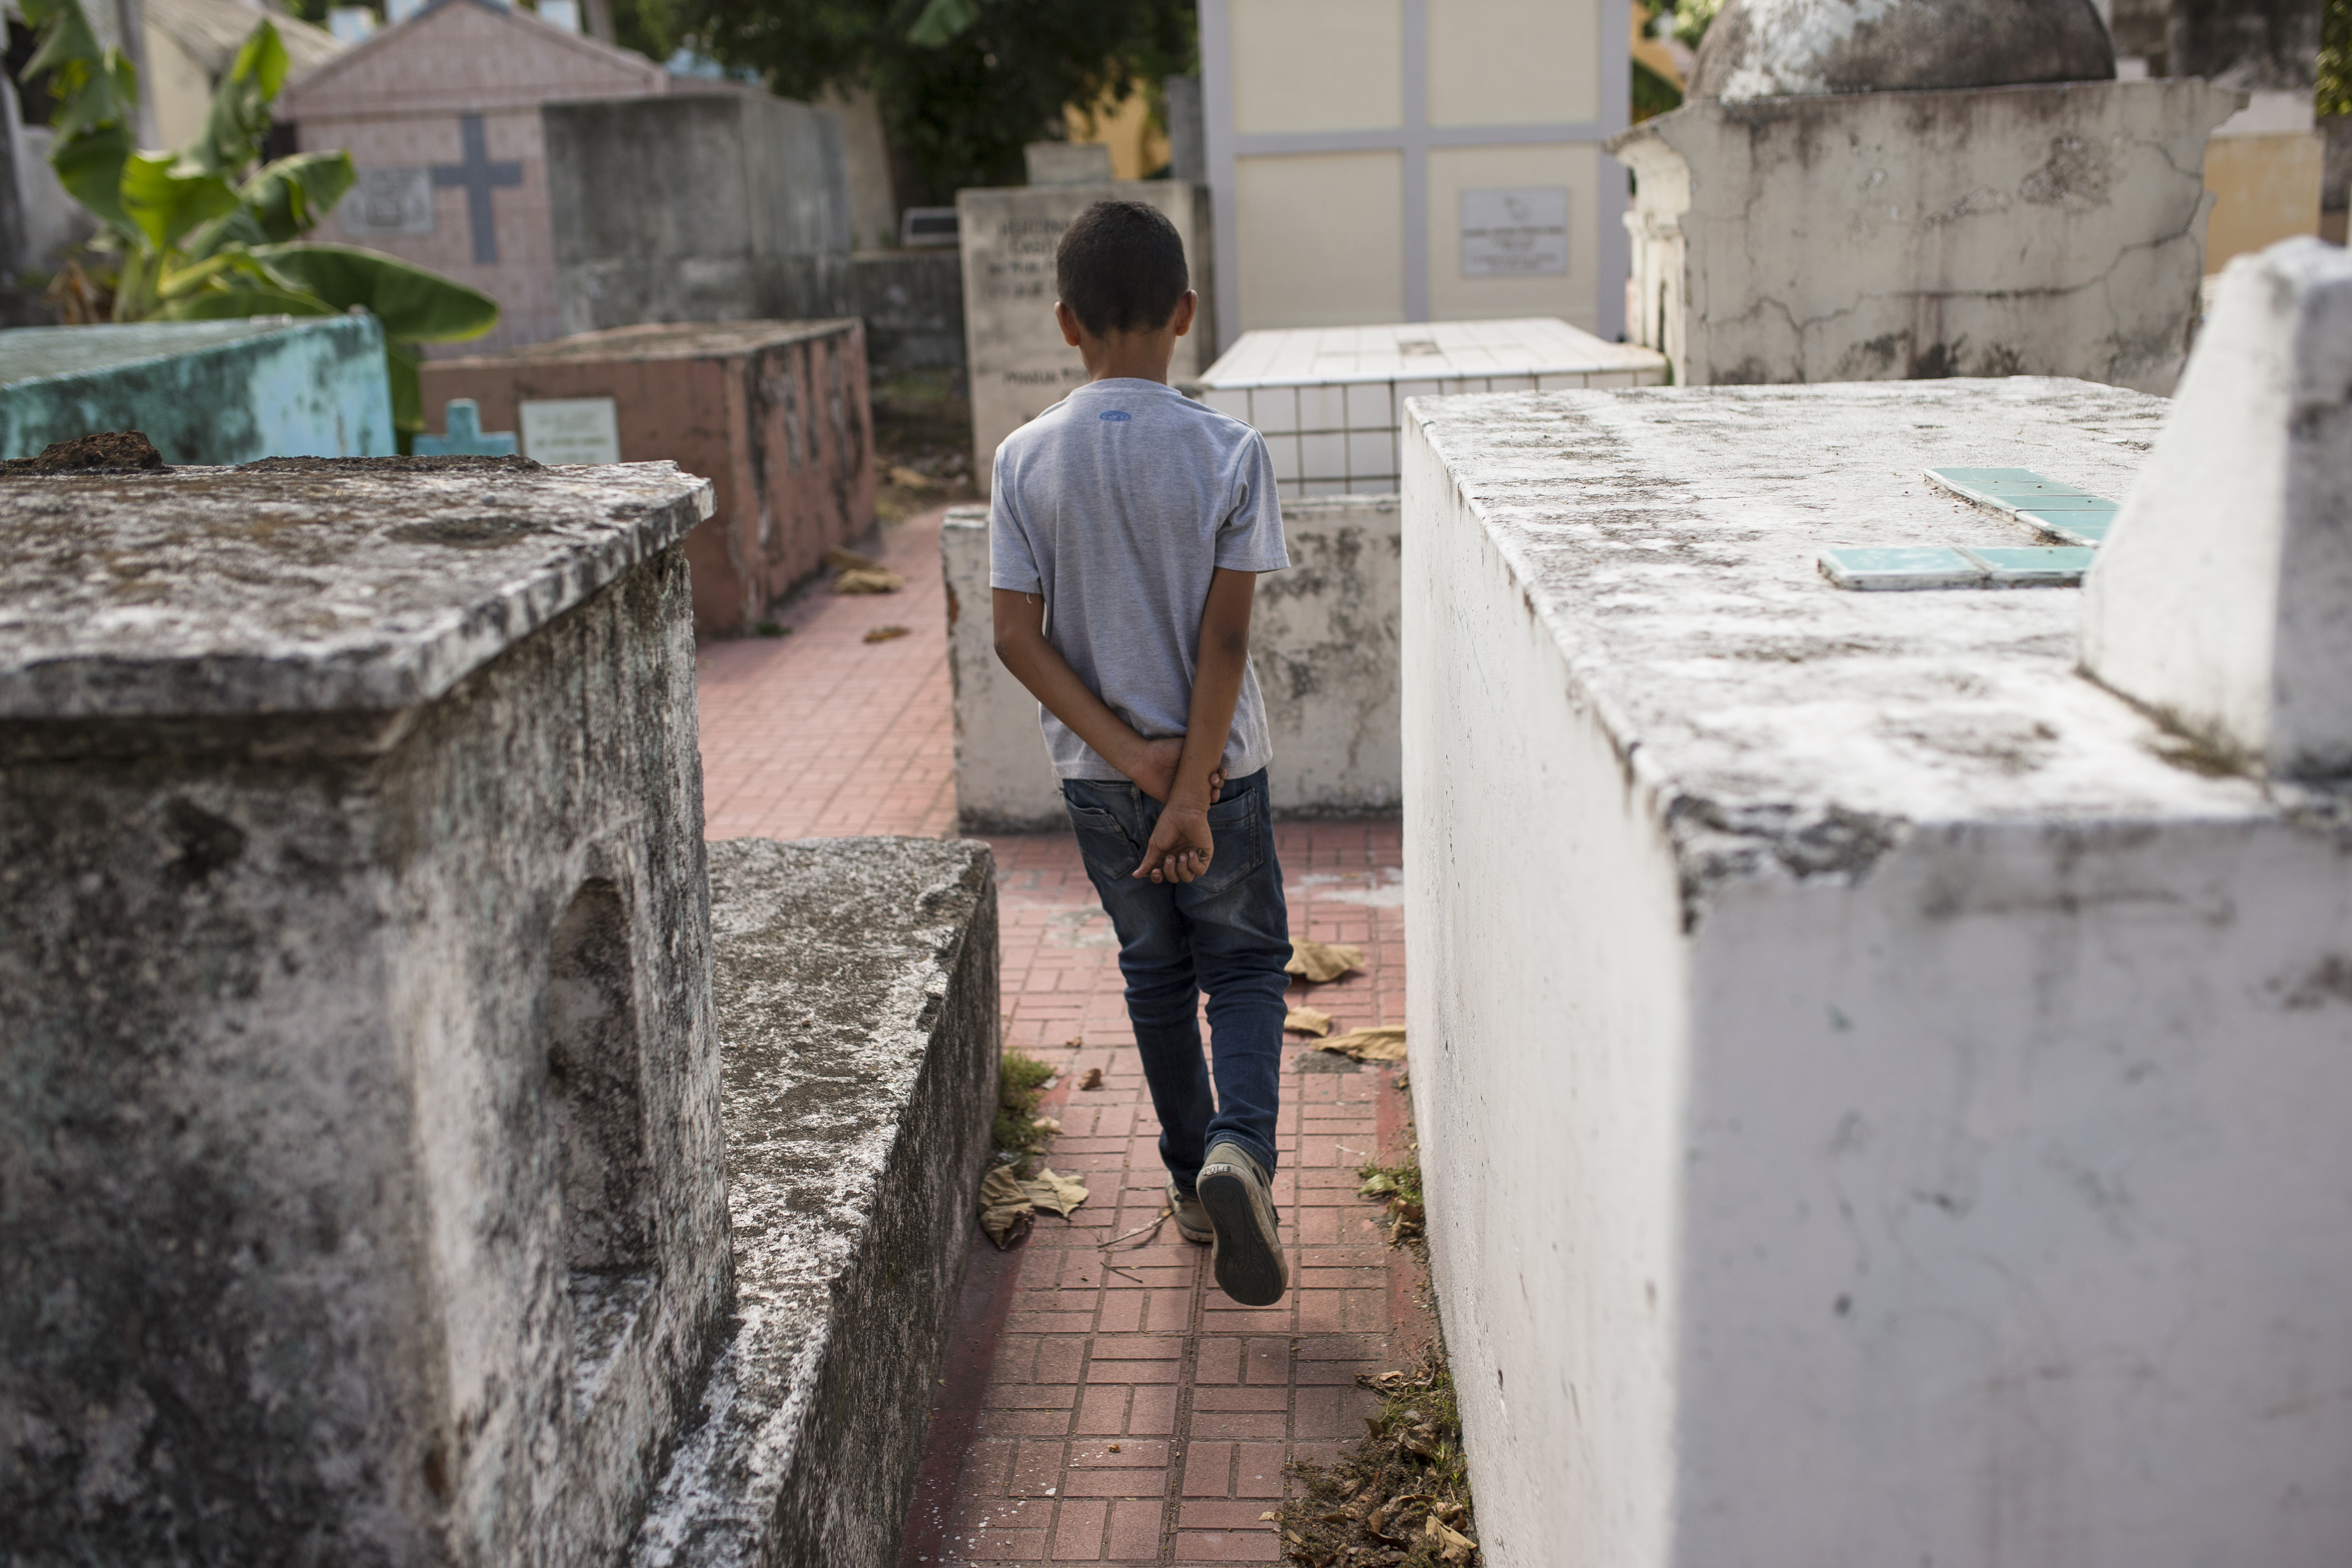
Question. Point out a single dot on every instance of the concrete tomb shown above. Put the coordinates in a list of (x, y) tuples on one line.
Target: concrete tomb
[(1881, 1093), (402, 1164), (1018, 365), (1323, 640), (739, 209), (1864, 191), (440, 112), (775, 412), (203, 391), (1328, 399)]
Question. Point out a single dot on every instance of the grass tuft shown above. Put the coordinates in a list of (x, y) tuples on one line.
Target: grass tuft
[(1020, 1085)]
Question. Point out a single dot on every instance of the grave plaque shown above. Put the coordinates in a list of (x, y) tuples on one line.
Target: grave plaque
[(1515, 231), (389, 202), (572, 430)]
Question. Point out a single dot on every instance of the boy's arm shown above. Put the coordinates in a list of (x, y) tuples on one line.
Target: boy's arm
[(1037, 664), (1180, 846)]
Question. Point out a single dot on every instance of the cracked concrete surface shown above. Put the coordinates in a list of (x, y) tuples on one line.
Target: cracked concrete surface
[(2053, 230)]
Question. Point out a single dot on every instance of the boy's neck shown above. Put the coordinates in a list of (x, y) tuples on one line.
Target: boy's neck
[(1138, 356), (1128, 356)]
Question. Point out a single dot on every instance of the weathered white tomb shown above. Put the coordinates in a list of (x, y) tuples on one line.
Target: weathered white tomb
[(1860, 191), (1328, 399), (1881, 1092), (402, 1164), (1323, 641)]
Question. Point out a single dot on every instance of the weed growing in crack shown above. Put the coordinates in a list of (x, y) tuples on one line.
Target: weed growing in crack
[(1021, 1084)]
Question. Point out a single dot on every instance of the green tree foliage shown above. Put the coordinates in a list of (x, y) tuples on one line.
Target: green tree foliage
[(962, 84), (202, 234), (2335, 95)]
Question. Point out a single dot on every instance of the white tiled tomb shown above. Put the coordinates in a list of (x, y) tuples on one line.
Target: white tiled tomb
[(1328, 399)]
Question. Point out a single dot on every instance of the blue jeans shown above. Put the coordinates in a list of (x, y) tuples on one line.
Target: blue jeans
[(1225, 932)]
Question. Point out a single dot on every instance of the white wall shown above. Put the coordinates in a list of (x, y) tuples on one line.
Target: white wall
[(1323, 640), (1874, 1110), (1550, 995)]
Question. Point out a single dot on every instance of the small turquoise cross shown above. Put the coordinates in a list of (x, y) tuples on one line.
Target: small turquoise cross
[(462, 418)]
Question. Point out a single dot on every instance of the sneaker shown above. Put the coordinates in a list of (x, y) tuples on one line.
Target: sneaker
[(1250, 1265), (1192, 1219)]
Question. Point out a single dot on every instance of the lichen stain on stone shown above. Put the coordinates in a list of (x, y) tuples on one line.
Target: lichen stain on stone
[(2077, 177)]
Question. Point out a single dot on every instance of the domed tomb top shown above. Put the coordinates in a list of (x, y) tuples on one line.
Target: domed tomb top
[(1772, 48)]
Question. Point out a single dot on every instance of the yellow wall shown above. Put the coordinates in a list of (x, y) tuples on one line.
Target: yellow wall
[(2265, 189), (1319, 239), (1138, 147), (1500, 62)]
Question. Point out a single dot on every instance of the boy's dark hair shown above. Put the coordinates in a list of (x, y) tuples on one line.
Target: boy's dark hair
[(1120, 268)]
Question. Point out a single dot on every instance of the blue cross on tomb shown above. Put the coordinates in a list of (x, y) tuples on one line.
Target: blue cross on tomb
[(462, 418), (478, 177)]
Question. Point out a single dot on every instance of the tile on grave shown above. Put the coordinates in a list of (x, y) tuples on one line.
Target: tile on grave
[(1900, 568), (2032, 566), (2088, 528)]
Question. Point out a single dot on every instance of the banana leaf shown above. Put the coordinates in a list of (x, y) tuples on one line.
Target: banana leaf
[(282, 202), (239, 119), (166, 197), (71, 45), (93, 125), (411, 302)]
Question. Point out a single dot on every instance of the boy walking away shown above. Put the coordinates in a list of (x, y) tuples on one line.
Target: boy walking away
[(1128, 526)]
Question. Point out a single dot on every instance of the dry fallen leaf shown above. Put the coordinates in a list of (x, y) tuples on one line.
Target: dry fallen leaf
[(1383, 1044), (868, 579), (1075, 1042), (842, 560), (1006, 1212), (1049, 1189), (885, 633), (1308, 1020), (1114, 1447), (1047, 1123), (1320, 961), (1454, 1546), (903, 476), (1093, 1080)]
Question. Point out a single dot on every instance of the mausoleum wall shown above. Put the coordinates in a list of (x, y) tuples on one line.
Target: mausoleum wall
[(1863, 237)]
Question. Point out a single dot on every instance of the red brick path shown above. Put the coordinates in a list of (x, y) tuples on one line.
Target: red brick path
[(1098, 1406)]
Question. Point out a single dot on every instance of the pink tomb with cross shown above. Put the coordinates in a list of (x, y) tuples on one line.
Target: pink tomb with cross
[(441, 116)]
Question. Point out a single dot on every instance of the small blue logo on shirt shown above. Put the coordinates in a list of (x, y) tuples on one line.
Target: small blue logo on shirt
[(1117, 417)]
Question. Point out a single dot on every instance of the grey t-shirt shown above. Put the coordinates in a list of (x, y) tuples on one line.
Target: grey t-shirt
[(1119, 504)]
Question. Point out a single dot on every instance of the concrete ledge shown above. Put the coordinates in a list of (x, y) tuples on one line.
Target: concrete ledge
[(855, 990), (1323, 638)]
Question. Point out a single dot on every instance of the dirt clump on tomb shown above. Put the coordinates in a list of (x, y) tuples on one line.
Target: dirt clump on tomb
[(104, 452)]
